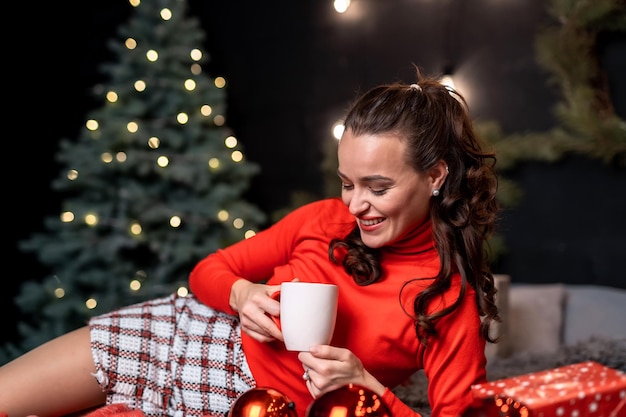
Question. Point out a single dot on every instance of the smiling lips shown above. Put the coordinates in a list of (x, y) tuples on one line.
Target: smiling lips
[(369, 223)]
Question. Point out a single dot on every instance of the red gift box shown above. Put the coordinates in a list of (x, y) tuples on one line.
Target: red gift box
[(586, 389)]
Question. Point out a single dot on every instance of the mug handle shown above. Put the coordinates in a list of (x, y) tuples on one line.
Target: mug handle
[(275, 319)]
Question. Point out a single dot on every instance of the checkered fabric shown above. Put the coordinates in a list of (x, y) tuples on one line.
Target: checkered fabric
[(171, 356)]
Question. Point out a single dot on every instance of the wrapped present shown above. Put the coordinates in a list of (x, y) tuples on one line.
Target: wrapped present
[(586, 389)]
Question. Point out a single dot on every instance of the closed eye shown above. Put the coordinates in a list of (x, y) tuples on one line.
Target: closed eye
[(367, 181)]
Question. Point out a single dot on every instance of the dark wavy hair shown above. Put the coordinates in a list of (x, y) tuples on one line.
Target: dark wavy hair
[(435, 122)]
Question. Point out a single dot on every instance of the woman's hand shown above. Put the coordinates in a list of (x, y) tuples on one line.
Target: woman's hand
[(327, 368), (253, 302)]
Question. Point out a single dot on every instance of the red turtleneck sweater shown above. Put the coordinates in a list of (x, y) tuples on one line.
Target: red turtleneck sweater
[(371, 321)]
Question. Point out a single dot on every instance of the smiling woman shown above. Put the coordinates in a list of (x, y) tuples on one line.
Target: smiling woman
[(294, 75), (403, 246)]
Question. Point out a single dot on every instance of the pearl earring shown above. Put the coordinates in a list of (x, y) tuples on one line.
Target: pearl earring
[(436, 192)]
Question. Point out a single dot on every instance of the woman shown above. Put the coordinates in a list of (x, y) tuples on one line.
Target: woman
[(405, 244)]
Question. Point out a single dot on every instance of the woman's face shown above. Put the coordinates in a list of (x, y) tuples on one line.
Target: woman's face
[(386, 195)]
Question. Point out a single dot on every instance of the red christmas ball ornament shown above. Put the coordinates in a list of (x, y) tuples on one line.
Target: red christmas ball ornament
[(263, 402), (349, 401)]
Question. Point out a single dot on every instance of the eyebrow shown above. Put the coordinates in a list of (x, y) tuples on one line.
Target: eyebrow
[(369, 178)]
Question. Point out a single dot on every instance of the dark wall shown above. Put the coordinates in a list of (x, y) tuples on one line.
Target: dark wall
[(292, 67), (571, 225)]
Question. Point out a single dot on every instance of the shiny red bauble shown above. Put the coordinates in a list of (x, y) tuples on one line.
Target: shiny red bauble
[(263, 402), (349, 401)]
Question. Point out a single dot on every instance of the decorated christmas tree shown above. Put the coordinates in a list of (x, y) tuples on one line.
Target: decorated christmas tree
[(154, 182)]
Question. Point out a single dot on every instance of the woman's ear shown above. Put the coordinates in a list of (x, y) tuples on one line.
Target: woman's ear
[(438, 174)]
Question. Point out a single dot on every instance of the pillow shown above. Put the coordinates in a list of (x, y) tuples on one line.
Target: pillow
[(594, 311), (535, 317)]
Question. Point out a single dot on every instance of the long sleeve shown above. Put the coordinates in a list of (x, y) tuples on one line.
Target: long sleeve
[(397, 407), (455, 360), (276, 253)]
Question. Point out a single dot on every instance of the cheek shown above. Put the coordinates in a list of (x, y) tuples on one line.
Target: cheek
[(345, 197), (414, 209), (417, 216)]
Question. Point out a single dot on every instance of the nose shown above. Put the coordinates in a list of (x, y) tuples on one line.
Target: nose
[(358, 203)]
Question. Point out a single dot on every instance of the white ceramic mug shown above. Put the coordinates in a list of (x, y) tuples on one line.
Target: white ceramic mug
[(308, 311)]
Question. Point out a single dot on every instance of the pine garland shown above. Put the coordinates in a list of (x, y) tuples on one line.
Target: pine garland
[(588, 124)]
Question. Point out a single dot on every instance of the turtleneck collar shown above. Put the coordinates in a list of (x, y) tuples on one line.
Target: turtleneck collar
[(416, 241)]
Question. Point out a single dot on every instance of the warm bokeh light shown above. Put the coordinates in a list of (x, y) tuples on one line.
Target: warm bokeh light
[(152, 55), (196, 69), (130, 43), (154, 142), (182, 118), (190, 84), (230, 142), (67, 217), (222, 215), (107, 157), (206, 110), (140, 85), (132, 127), (196, 54), (91, 124), (237, 156), (219, 120), (163, 161), (166, 14), (220, 82), (175, 221), (135, 229), (111, 96), (341, 5), (338, 129), (214, 163), (238, 223)]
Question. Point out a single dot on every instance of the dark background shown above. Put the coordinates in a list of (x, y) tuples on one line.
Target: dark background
[(292, 67)]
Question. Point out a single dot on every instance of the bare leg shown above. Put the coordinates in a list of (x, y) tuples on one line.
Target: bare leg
[(53, 379)]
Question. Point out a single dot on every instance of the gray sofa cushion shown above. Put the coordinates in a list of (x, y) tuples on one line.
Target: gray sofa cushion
[(594, 311), (536, 317)]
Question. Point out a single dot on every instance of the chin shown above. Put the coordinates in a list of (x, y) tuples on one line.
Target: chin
[(373, 243)]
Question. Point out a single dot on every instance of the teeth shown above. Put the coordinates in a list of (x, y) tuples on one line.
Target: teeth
[(370, 222)]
